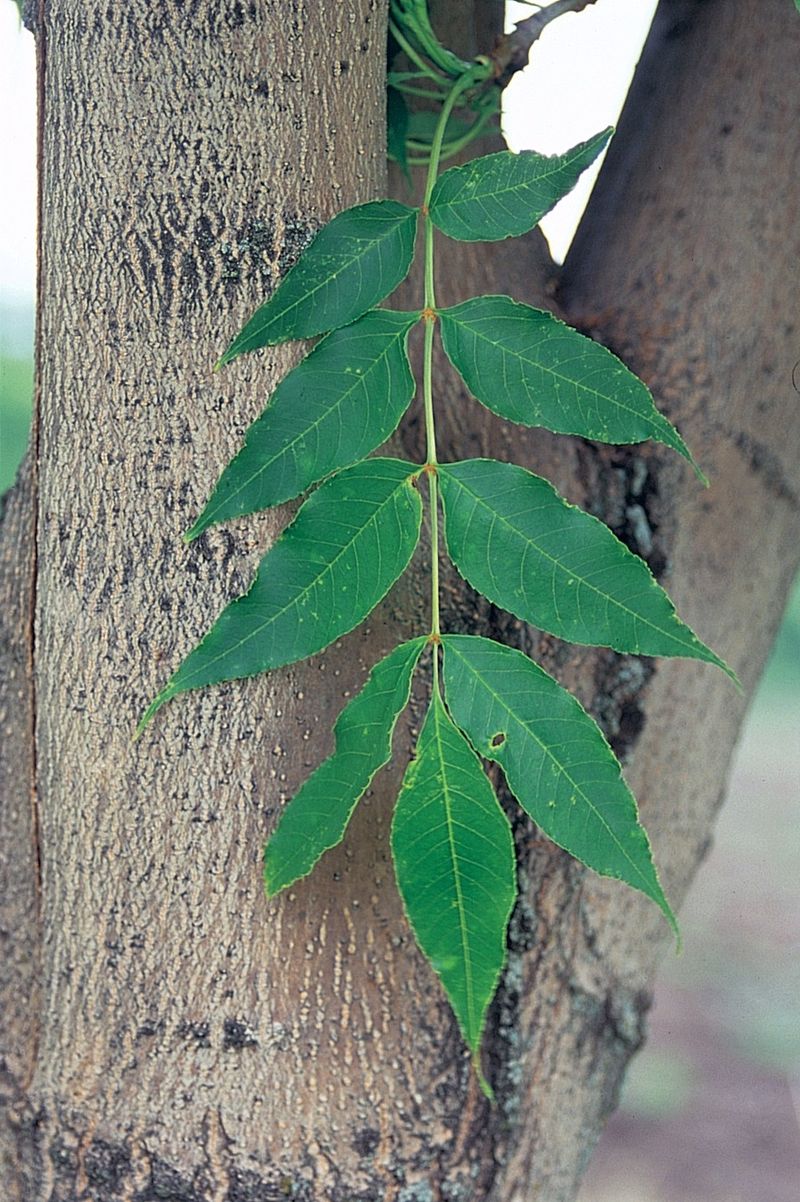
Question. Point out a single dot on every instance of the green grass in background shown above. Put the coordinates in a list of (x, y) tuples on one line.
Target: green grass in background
[(16, 386), (782, 676), (16, 390)]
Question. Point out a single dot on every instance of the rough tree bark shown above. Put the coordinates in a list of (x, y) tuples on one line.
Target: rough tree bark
[(166, 1032)]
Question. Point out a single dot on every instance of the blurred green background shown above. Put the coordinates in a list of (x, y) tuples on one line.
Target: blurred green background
[(16, 385)]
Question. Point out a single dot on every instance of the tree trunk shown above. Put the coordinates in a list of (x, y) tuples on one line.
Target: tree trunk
[(167, 1032)]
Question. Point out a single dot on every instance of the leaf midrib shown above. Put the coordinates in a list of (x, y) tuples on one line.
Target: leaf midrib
[(514, 187), (546, 555), (468, 982), (287, 447), (329, 278), (391, 499), (613, 400), (499, 699)]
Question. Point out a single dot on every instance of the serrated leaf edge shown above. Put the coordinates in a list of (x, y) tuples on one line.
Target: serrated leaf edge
[(168, 692), (232, 352), (665, 907), (713, 658), (679, 445), (421, 641), (200, 526)]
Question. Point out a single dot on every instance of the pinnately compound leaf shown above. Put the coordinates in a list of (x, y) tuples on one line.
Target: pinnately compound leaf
[(317, 816), (518, 542), (529, 367), (355, 260), (505, 194), (555, 758), (341, 402), (328, 570), (454, 859)]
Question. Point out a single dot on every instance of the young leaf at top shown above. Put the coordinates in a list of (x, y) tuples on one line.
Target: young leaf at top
[(317, 816), (505, 194), (555, 758), (529, 367), (355, 260), (518, 542), (454, 859), (341, 402), (328, 570)]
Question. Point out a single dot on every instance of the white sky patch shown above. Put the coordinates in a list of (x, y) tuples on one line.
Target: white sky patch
[(575, 85), (17, 157)]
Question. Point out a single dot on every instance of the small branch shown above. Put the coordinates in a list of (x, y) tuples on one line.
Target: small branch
[(512, 50)]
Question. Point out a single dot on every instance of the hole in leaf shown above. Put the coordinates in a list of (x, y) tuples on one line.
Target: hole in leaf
[(499, 739)]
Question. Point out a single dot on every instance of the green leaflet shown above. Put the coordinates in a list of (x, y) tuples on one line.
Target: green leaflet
[(505, 194), (340, 556), (529, 367), (555, 757), (355, 260), (454, 859), (518, 542), (317, 817), (337, 405)]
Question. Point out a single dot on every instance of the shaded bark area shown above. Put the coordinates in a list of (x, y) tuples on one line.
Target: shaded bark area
[(19, 852), (193, 1042)]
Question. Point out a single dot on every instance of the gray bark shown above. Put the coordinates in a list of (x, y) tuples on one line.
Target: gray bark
[(167, 1032)]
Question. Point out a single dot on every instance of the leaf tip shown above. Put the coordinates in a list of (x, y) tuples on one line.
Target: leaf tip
[(701, 476), (145, 718), (483, 1084), (166, 694), (273, 884), (678, 444), (737, 682), (719, 662), (710, 656), (192, 533), (669, 914)]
